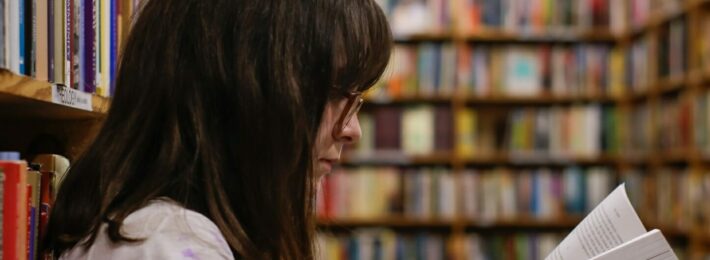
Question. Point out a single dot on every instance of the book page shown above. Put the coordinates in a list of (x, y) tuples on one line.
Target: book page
[(651, 245), (612, 223)]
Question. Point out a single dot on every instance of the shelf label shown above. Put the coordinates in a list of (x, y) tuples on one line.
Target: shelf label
[(71, 97)]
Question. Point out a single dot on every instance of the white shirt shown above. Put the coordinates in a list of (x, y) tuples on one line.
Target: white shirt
[(169, 232)]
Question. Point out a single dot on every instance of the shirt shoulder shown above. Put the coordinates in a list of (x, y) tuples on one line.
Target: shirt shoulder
[(167, 231)]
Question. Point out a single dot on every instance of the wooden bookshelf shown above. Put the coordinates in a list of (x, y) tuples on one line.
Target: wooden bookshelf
[(28, 107), (24, 97), (536, 100), (661, 17), (399, 222), (424, 37), (649, 162), (408, 100), (395, 158), (572, 36), (539, 160), (673, 84), (526, 223), (28, 112)]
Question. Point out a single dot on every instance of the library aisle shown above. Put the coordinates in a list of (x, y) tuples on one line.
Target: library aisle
[(498, 126)]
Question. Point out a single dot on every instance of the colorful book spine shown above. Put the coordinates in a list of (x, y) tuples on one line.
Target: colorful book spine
[(382, 244), (33, 188), (21, 34), (58, 42), (508, 246), (41, 40), (3, 35), (14, 210), (546, 194), (50, 39), (77, 44), (68, 41), (88, 52), (113, 48)]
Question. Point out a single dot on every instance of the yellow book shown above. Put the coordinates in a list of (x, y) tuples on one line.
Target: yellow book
[(104, 47), (465, 131), (617, 72), (58, 43)]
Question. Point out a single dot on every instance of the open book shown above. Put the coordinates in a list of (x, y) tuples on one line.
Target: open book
[(613, 230)]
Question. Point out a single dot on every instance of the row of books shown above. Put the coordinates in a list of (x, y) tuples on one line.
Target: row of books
[(640, 11), (410, 130), (701, 121), (550, 132), (372, 193), (27, 194), (487, 70), (541, 16), (703, 48), (483, 70), (434, 69), (377, 243), (638, 63), (381, 244), (673, 49), (674, 129), (485, 195), (670, 197), (409, 17), (681, 122), (545, 194), (533, 132), (70, 42), (510, 246)]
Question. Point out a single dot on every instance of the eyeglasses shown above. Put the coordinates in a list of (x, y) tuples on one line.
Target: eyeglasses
[(353, 105)]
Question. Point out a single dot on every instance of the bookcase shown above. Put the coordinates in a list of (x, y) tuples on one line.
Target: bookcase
[(504, 112), (57, 59), (545, 98)]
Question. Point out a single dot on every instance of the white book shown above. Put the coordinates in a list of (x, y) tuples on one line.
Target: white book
[(522, 72), (613, 230)]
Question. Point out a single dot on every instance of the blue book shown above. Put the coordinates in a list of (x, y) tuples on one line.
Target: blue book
[(33, 232), (437, 68), (535, 198), (353, 248), (80, 8), (23, 69), (377, 248), (113, 46)]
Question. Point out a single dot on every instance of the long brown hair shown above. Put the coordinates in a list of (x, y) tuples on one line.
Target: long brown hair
[(217, 106)]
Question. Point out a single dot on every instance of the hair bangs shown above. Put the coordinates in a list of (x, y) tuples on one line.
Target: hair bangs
[(364, 44)]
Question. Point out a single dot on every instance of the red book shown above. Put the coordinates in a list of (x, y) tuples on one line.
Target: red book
[(14, 226)]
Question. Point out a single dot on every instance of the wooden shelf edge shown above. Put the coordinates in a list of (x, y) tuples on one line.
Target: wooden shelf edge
[(27, 90), (408, 99), (386, 158), (386, 222), (527, 222), (671, 156), (540, 99), (540, 160)]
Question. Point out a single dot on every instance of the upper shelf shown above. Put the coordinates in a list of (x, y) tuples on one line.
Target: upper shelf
[(24, 97), (656, 19), (497, 36)]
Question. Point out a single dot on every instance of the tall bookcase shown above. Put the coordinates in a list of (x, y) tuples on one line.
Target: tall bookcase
[(657, 142)]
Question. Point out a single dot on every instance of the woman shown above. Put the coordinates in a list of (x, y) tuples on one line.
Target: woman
[(226, 113)]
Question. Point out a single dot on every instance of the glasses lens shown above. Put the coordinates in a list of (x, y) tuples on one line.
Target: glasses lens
[(352, 112)]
